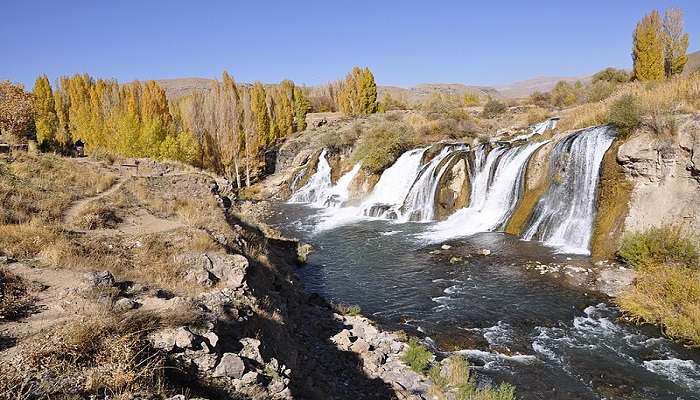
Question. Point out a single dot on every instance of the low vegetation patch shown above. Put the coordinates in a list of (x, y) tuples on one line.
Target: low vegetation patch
[(625, 114), (668, 296), (15, 300), (454, 380), (665, 245), (42, 187), (493, 108), (418, 357), (99, 217), (347, 309), (383, 144), (667, 288), (103, 354)]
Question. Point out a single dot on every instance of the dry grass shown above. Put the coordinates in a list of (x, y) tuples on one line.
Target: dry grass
[(98, 216), (14, 297), (103, 354), (42, 187), (612, 206), (677, 95), (28, 240), (668, 296), (456, 381)]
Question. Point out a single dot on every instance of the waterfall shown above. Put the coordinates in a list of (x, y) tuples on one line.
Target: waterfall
[(496, 186), (317, 186), (563, 217), (538, 129), (339, 193), (393, 186), (419, 204)]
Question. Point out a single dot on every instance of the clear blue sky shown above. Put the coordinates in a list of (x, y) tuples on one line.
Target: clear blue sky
[(403, 42)]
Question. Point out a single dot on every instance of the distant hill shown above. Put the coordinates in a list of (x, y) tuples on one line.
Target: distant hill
[(421, 91), (539, 84), (693, 63), (179, 87)]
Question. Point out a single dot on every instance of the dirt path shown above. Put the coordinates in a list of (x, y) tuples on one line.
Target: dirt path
[(72, 213)]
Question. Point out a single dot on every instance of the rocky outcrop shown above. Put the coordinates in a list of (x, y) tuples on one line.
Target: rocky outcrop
[(665, 174), (454, 186)]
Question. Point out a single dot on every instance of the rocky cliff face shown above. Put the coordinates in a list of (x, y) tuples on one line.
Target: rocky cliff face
[(665, 173)]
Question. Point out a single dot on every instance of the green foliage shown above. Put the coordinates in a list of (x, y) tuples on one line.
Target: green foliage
[(647, 49), (612, 75), (301, 107), (565, 94), (625, 114), (417, 357), (382, 145), (668, 296), (663, 245), (492, 108), (358, 93), (455, 377), (350, 310), (600, 90)]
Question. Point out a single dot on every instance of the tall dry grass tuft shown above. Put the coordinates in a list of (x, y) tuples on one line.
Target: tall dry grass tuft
[(103, 354), (672, 96)]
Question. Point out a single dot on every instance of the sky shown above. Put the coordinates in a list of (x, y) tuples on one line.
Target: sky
[(312, 42)]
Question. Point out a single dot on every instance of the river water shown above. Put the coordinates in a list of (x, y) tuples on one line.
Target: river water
[(551, 340)]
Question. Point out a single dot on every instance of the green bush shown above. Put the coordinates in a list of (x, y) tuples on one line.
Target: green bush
[(655, 246), (493, 108), (625, 114), (347, 309), (455, 377), (667, 296), (417, 357), (612, 75), (383, 144)]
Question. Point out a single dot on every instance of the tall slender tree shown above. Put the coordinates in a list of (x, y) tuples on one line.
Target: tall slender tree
[(45, 118), (647, 50), (675, 42)]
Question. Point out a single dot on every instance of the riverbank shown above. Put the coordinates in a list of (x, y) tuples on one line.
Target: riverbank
[(153, 285)]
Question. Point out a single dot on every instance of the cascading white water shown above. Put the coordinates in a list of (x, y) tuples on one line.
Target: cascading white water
[(419, 204), (317, 186), (393, 186), (496, 186), (339, 193), (538, 129), (563, 217)]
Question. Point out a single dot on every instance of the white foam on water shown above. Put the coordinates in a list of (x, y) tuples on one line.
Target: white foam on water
[(682, 372)]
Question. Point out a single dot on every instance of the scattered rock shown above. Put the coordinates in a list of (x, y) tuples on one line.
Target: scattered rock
[(231, 269), (124, 304), (201, 276), (485, 252), (342, 339), (163, 339), (184, 339), (251, 349), (360, 346), (455, 260), (445, 247), (99, 279), (230, 366), (212, 337)]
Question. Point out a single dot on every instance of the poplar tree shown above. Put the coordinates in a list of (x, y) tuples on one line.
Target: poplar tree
[(358, 93), (301, 108), (63, 137), (45, 118), (647, 50), (675, 42), (258, 105)]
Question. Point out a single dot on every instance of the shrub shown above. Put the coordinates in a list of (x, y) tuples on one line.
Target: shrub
[(669, 296), (382, 145), (600, 91), (455, 377), (536, 115), (417, 357), (493, 108), (612, 75), (625, 114), (471, 99), (15, 301), (656, 246), (347, 309), (540, 99)]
